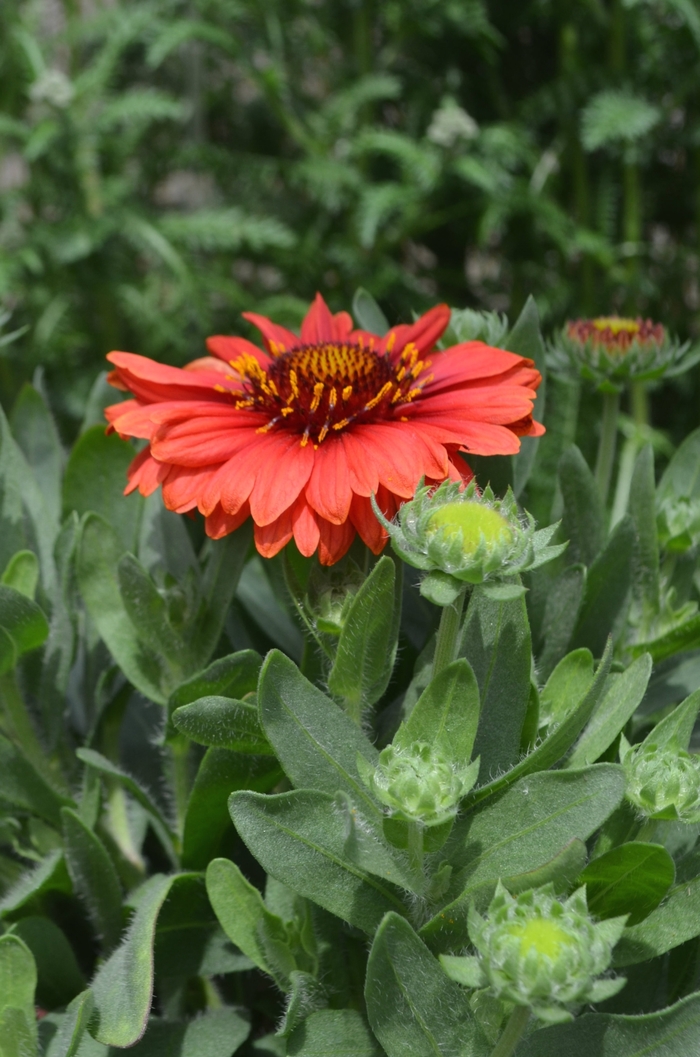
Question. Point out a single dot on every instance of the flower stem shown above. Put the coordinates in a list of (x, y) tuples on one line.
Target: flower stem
[(448, 633), (639, 403), (647, 831), (608, 440), (517, 1022), (415, 847)]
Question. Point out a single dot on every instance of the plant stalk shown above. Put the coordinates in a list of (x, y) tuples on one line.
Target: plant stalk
[(415, 847), (608, 441), (513, 1032), (639, 403), (448, 633)]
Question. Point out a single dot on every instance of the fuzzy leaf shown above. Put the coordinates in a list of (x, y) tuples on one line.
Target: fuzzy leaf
[(447, 713), (223, 723), (94, 877), (616, 706), (607, 587), (631, 879), (333, 1033)]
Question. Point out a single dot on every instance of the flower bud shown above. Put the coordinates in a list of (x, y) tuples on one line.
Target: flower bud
[(458, 535), (330, 594), (419, 784), (662, 782), (536, 951)]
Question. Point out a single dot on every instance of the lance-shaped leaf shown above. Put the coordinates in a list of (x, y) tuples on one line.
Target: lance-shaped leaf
[(22, 573), (566, 686), (17, 987), (367, 644), (315, 741), (216, 1033), (496, 642), (99, 553), (642, 508), (413, 1007), (94, 877), (248, 923), (223, 564), (631, 879), (299, 838), (147, 611), (224, 723), (35, 431), (59, 978), (333, 1033), (560, 616), (123, 987), (607, 588), (94, 481), (446, 714), (674, 1032), (233, 676), (583, 521), (73, 1026), (24, 625), (21, 785), (672, 923), (616, 706)]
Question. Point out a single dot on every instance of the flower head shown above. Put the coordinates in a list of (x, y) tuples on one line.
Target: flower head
[(662, 782), (418, 783), (610, 350), (300, 433), (459, 535), (535, 950)]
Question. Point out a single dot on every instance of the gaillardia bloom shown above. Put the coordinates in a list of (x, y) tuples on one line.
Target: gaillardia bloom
[(611, 350), (299, 434)]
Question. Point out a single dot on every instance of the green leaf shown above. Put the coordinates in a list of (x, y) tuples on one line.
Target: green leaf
[(35, 431), (99, 553), (207, 820), (676, 728), (262, 604), (616, 706), (672, 923), (566, 686), (367, 644), (583, 520), (674, 1032), (681, 478), (367, 313), (616, 116), (223, 563), (525, 339), (631, 879), (216, 1033), (224, 723), (558, 741), (21, 785), (685, 636), (333, 1033), (642, 508), (49, 875), (412, 1005), (59, 979), (189, 939), (123, 986), (522, 831), (106, 767), (73, 1027), (232, 676), (94, 877), (560, 615), (248, 923), (147, 611), (17, 987), (447, 713), (607, 588), (300, 839), (95, 479), (22, 573), (496, 642), (307, 995), (316, 742), (24, 624)]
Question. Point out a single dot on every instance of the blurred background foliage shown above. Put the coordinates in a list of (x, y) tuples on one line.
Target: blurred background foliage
[(165, 164)]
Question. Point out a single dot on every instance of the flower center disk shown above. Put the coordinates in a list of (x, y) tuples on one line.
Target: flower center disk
[(316, 389)]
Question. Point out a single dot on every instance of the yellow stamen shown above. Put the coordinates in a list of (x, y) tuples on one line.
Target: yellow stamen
[(220, 388), (318, 393), (347, 392), (385, 389)]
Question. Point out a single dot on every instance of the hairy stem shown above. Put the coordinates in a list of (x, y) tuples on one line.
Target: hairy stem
[(606, 446), (513, 1032), (415, 847), (448, 633)]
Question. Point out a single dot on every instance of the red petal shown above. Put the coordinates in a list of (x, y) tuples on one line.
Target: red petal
[(321, 325), (184, 485), (200, 442), (423, 333), (305, 525), (365, 521), (280, 477), (270, 539), (328, 490), (334, 541), (277, 339), (230, 348), (363, 473), (219, 523), (145, 473)]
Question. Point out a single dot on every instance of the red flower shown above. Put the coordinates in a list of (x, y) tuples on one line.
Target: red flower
[(300, 434)]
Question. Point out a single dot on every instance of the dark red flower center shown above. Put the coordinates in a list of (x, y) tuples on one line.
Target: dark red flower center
[(314, 390)]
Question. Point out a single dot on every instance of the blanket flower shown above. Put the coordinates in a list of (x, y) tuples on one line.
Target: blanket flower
[(298, 434)]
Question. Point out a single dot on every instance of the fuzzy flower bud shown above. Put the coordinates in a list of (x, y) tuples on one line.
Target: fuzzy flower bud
[(610, 350), (330, 595), (458, 535), (419, 784), (663, 782), (536, 951)]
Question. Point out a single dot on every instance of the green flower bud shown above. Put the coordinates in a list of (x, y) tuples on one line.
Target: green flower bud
[(330, 595), (662, 782), (537, 951), (419, 784), (458, 535)]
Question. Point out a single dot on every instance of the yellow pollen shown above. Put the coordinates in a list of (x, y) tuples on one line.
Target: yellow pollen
[(391, 341), (385, 389), (287, 411), (294, 383), (347, 392), (318, 393), (400, 374), (413, 393), (342, 424), (220, 388), (332, 398), (616, 325), (322, 434)]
